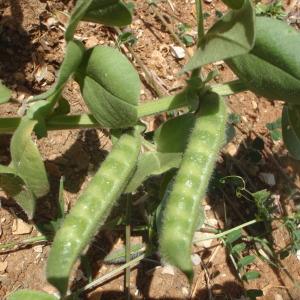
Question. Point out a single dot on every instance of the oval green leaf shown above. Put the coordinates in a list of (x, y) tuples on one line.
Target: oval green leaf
[(110, 87), (251, 275), (27, 160), (247, 260), (108, 12), (230, 36), (5, 93), (152, 163), (272, 68), (16, 188), (290, 138), (172, 136), (30, 295)]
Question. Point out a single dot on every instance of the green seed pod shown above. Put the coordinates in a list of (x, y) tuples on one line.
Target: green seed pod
[(272, 68), (91, 209), (181, 215)]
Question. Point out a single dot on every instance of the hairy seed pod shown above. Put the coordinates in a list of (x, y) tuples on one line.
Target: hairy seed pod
[(91, 209), (181, 214)]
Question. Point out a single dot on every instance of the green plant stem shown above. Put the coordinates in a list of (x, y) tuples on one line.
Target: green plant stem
[(221, 234), (200, 21), (200, 34), (112, 274), (128, 245), (25, 242), (60, 122)]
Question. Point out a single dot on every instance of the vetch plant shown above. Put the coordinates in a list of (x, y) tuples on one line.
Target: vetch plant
[(261, 51)]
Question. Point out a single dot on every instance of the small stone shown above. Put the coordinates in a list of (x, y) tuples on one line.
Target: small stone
[(20, 227), (168, 269), (177, 52), (3, 266), (231, 149), (254, 105), (267, 178), (298, 254), (185, 291), (196, 260), (38, 249)]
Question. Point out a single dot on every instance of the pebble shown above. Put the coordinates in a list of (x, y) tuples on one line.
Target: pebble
[(298, 254), (185, 291), (38, 249), (231, 149), (196, 260), (20, 227), (177, 51)]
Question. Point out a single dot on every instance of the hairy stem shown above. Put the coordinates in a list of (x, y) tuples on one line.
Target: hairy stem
[(168, 103)]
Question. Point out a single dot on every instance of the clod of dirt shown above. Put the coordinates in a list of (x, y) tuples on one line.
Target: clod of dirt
[(20, 227), (3, 266)]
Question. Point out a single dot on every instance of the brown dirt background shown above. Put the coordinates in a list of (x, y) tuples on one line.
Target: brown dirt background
[(31, 51)]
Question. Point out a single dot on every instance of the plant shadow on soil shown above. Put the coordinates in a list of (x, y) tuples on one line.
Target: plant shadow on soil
[(15, 47)]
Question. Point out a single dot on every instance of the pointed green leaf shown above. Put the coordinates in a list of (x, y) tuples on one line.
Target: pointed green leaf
[(108, 12), (5, 93), (272, 68), (290, 138), (118, 256), (30, 295), (230, 36), (172, 136), (110, 87), (27, 160), (15, 188), (152, 163), (233, 236), (253, 294), (238, 248), (247, 260), (251, 275)]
